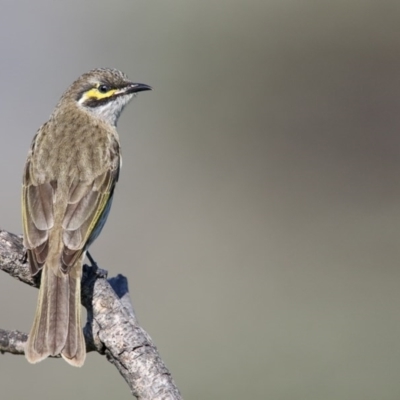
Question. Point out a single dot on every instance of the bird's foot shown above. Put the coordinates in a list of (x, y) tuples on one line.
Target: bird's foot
[(101, 273)]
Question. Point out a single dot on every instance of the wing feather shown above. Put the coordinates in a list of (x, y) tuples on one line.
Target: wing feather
[(40, 205), (37, 215), (82, 218), (86, 210), (77, 212)]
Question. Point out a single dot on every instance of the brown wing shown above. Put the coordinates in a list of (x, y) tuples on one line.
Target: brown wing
[(87, 210), (37, 216), (84, 215)]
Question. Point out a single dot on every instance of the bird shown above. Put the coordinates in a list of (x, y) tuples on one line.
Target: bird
[(69, 178)]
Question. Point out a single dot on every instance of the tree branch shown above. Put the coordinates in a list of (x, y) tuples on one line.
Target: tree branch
[(112, 328)]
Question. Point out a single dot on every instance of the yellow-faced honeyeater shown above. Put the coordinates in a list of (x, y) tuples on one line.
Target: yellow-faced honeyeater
[(68, 185)]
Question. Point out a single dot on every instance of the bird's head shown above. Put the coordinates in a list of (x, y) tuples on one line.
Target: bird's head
[(103, 92)]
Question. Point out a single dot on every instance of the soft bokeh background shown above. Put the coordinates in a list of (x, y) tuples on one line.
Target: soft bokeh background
[(258, 213)]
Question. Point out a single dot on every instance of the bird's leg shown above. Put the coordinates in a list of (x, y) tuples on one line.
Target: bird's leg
[(91, 260), (101, 273), (25, 256)]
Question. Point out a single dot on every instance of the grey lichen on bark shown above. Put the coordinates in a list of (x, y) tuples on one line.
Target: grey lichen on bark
[(112, 328)]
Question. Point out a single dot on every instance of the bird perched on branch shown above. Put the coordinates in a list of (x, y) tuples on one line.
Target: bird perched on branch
[(68, 185)]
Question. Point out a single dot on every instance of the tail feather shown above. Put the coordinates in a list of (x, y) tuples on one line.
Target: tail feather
[(57, 325), (74, 351), (36, 348), (57, 311)]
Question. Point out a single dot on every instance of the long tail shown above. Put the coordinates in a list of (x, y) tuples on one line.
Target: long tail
[(57, 325)]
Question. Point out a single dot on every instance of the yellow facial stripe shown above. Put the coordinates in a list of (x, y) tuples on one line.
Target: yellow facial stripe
[(95, 93)]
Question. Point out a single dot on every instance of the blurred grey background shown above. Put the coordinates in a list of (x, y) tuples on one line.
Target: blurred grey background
[(257, 217)]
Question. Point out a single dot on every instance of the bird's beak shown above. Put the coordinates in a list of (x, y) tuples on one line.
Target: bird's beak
[(134, 88)]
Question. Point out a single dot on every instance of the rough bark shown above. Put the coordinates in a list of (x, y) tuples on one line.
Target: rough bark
[(112, 328)]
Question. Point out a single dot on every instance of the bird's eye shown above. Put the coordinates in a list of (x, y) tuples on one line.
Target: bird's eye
[(103, 88)]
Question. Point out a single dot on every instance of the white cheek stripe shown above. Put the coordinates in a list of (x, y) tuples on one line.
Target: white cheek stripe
[(110, 111)]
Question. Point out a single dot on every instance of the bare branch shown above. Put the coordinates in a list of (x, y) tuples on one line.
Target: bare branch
[(12, 342), (111, 328)]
